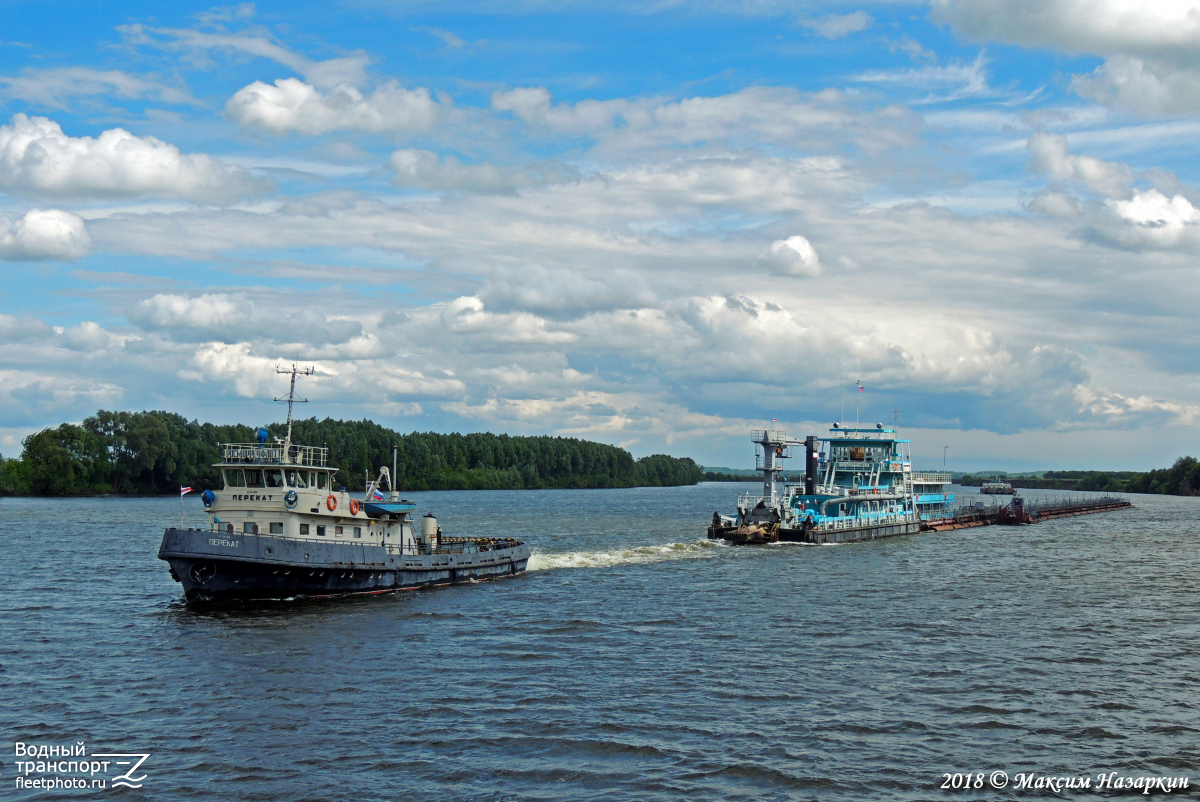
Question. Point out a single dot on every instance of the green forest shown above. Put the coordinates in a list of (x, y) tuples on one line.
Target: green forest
[(1181, 479), (149, 453)]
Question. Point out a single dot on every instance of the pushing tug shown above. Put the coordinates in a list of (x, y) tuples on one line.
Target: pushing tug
[(280, 527), (858, 485)]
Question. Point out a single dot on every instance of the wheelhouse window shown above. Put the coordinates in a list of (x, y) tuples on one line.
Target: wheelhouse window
[(277, 528), (296, 479), (235, 478), (274, 478), (321, 481), (254, 477)]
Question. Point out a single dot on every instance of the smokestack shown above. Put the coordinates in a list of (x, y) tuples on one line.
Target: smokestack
[(810, 465)]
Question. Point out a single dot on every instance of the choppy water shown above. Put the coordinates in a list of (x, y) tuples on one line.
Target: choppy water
[(636, 662)]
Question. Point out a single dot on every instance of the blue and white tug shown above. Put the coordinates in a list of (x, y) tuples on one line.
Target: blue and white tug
[(858, 485)]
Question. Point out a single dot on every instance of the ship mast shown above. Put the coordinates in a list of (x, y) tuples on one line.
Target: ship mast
[(291, 396)]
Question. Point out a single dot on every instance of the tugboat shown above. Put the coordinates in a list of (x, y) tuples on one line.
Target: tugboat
[(281, 528), (858, 485)]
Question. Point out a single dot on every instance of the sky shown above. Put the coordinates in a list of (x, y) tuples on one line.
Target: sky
[(652, 224)]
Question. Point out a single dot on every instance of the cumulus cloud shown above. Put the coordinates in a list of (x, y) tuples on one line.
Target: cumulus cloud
[(222, 317), (1152, 220), (292, 106), (44, 234), (1052, 157), (1143, 86), (37, 158), (1054, 203), (794, 256), (1077, 26), (1152, 65), (835, 26)]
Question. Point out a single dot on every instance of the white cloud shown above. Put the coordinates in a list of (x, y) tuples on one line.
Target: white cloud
[(1078, 26), (56, 87), (44, 234), (294, 106), (37, 158), (1152, 47), (1052, 157), (752, 116), (1156, 221), (348, 69), (794, 256), (835, 26), (1143, 86), (424, 169), (1053, 203), (223, 317), (563, 292)]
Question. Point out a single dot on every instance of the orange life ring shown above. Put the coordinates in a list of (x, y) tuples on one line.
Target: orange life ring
[(354, 506), (331, 502)]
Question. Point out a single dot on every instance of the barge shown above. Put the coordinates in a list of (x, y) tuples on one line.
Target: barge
[(280, 527)]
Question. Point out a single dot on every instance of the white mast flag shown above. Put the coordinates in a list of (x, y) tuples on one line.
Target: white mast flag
[(183, 491)]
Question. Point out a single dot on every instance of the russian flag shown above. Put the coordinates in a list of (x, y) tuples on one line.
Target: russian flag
[(375, 494)]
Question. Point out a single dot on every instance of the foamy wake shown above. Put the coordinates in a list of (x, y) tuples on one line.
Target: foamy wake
[(641, 554)]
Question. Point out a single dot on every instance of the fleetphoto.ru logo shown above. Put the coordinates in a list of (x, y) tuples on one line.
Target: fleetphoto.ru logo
[(51, 766)]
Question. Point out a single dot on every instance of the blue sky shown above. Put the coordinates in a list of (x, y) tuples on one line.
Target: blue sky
[(657, 225)]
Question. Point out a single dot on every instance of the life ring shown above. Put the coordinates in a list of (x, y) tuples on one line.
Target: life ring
[(331, 502), (354, 506)]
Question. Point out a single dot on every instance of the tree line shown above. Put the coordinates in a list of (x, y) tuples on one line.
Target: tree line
[(1181, 479), (157, 452)]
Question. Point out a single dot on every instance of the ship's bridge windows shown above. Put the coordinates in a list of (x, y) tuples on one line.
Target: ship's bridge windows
[(274, 478), (235, 478), (254, 477), (297, 479), (321, 480)]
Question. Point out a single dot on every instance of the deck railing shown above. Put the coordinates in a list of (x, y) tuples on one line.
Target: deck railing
[(275, 454)]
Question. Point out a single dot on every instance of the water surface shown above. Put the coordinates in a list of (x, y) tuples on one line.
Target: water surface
[(635, 661)]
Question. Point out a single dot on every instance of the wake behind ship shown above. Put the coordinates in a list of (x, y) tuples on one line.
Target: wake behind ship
[(280, 527)]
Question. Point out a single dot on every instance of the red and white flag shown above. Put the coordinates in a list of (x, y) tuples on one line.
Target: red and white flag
[(183, 491)]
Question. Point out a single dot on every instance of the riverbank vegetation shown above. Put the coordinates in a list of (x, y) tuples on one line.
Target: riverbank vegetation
[(1181, 479), (158, 452)]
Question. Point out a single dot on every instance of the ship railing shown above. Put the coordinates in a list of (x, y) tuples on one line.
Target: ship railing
[(747, 501), (275, 454), (931, 478)]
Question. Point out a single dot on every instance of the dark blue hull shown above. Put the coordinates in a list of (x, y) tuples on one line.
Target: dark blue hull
[(218, 567)]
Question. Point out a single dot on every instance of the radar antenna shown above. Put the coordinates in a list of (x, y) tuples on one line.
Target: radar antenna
[(291, 396)]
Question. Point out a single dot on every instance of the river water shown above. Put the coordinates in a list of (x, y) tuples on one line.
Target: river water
[(635, 660)]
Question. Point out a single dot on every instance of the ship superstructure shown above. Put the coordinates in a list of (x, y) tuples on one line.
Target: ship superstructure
[(281, 526), (858, 484)]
